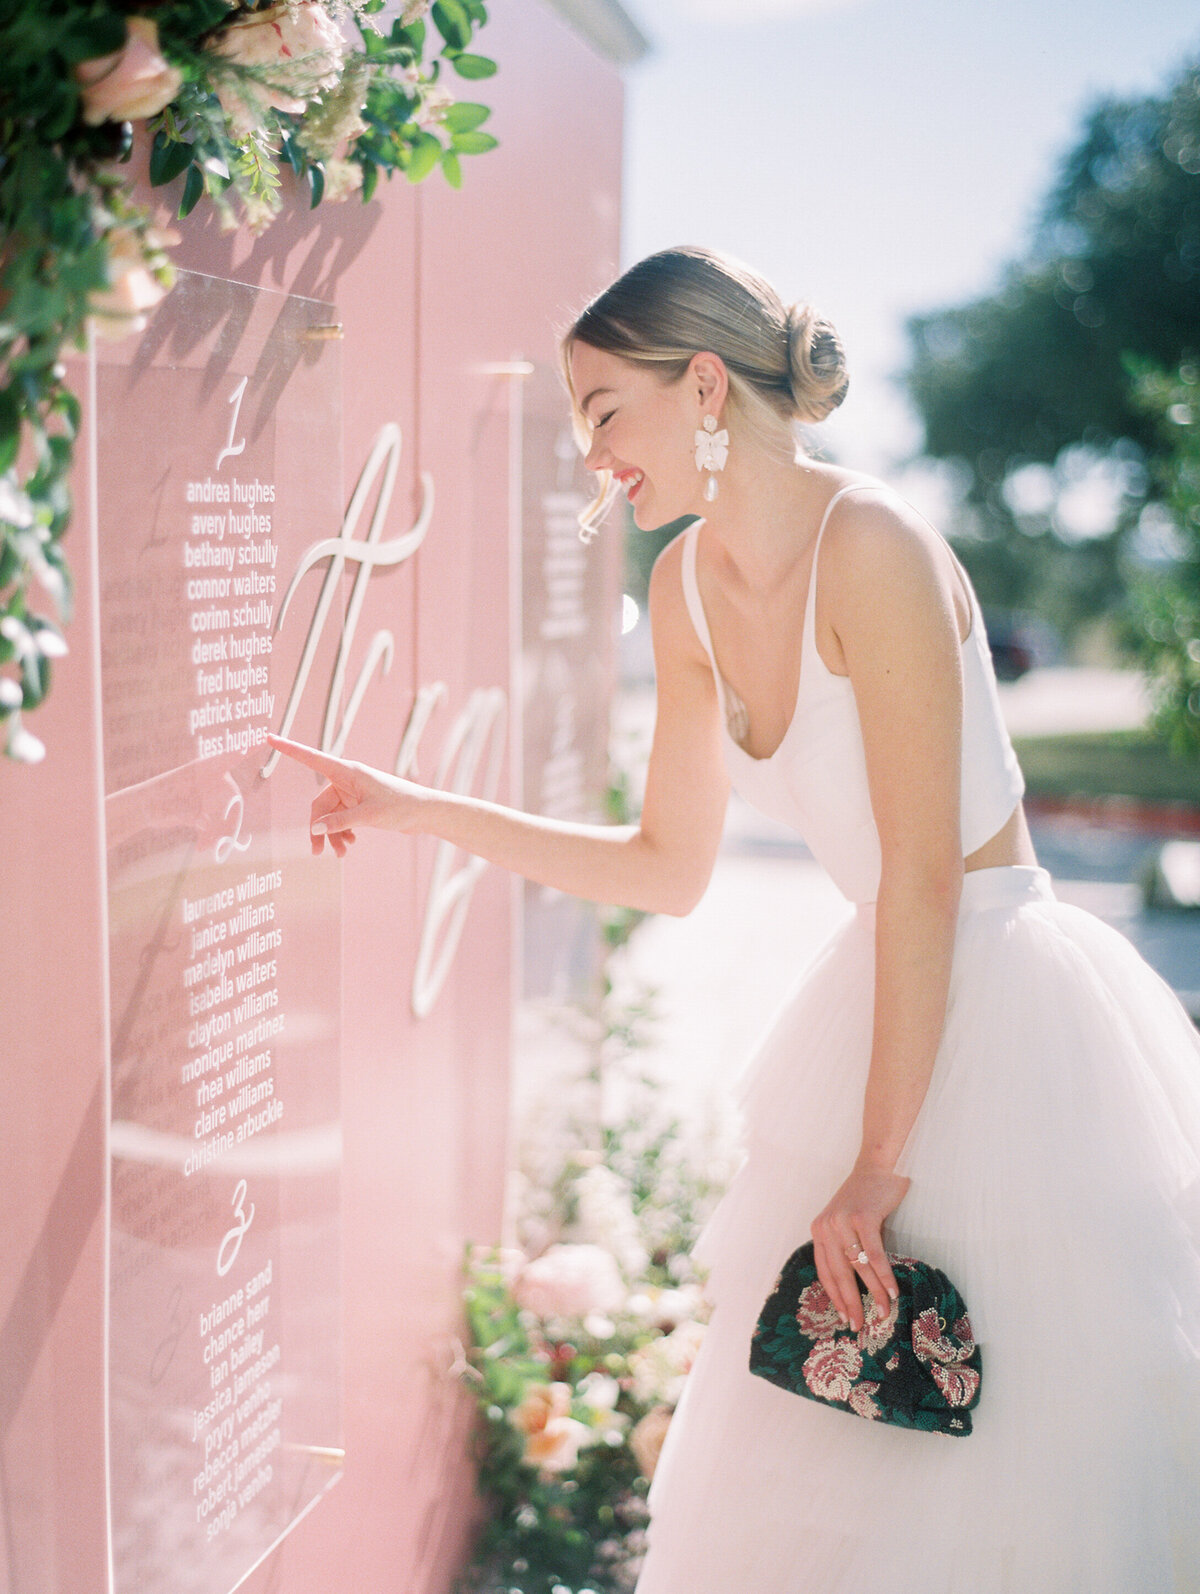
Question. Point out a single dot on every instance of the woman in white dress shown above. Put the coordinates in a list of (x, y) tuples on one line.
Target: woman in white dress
[(970, 1072)]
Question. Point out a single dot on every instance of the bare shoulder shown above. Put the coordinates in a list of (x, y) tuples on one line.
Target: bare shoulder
[(880, 558)]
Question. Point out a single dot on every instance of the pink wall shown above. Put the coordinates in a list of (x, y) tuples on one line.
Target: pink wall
[(431, 287)]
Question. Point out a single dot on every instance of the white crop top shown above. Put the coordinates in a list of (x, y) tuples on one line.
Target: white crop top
[(816, 779)]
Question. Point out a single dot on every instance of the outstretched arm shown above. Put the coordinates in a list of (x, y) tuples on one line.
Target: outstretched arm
[(661, 864), (899, 634)]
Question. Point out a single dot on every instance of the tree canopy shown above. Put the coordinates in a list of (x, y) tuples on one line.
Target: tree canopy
[(1045, 372)]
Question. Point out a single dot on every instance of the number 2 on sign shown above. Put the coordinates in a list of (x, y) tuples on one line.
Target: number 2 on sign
[(227, 1255), (237, 807), (235, 398)]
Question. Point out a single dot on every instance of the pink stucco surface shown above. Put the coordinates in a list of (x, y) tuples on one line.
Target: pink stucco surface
[(432, 288)]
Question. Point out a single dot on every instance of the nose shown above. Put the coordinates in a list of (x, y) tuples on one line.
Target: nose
[(597, 456)]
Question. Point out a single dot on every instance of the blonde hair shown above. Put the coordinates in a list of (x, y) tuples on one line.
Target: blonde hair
[(785, 362)]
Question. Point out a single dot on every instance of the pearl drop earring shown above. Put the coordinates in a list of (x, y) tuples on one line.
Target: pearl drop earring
[(712, 450)]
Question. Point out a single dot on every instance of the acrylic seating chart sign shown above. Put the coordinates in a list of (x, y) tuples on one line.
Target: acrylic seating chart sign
[(219, 465)]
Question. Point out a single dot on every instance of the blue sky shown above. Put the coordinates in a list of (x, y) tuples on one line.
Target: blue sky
[(875, 157)]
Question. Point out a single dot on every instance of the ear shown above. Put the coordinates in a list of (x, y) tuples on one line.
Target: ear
[(708, 381)]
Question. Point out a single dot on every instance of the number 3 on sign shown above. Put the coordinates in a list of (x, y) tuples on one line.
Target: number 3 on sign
[(235, 398), (227, 1255)]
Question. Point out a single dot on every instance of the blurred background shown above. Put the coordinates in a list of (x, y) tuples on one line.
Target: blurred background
[(999, 208)]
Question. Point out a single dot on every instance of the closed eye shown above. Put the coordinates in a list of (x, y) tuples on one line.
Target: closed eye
[(604, 420)]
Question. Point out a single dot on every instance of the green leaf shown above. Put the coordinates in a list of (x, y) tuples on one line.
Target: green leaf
[(192, 189), (316, 176), (35, 677), (464, 117), (88, 37), (370, 179), (473, 66), (453, 23), (426, 153), (292, 153), (168, 157), (451, 169), (10, 427), (473, 143)]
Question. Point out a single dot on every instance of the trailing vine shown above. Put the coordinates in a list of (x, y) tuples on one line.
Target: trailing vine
[(230, 94)]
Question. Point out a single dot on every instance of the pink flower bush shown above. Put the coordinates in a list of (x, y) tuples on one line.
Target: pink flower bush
[(831, 1368), (570, 1281), (297, 48), (133, 82)]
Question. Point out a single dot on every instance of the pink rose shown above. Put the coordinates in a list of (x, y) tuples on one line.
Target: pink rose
[(552, 1436), (878, 1327), (861, 1401), (957, 1384), (542, 1403), (139, 276), (297, 49), (931, 1344), (133, 82), (816, 1313), (832, 1367), (646, 1440), (570, 1281)]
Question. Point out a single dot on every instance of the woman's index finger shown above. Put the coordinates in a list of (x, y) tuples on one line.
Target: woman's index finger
[(324, 763)]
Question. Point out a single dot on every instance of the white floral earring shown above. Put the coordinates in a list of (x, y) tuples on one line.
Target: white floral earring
[(712, 450)]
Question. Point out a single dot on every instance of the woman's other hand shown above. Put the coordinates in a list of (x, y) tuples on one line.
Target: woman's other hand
[(355, 795), (851, 1224)]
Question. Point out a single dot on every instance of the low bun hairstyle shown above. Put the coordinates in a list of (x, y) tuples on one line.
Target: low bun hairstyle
[(785, 365), (817, 363)]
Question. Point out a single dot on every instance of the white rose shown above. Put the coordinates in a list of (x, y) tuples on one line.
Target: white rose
[(298, 47)]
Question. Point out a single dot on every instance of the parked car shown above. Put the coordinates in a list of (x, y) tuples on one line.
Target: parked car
[(1018, 641)]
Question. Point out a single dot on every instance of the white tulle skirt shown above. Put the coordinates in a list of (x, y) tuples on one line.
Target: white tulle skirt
[(1054, 1170)]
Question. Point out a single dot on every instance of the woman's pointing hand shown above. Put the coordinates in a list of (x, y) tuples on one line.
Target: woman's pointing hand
[(355, 795)]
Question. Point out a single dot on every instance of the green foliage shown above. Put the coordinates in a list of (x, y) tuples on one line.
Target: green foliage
[(69, 230), (1168, 607), (1038, 373), (1133, 765)]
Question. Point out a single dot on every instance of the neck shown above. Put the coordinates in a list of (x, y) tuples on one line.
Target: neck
[(765, 517)]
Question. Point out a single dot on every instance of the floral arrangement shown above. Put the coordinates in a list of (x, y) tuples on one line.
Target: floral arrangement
[(233, 95), (581, 1340), (577, 1374)]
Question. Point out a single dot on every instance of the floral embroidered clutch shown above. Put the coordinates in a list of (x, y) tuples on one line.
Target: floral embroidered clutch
[(918, 1367)]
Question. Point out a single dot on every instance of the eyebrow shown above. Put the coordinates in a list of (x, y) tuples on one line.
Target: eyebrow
[(595, 393)]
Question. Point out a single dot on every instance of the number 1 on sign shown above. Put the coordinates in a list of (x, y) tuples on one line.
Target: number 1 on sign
[(235, 398)]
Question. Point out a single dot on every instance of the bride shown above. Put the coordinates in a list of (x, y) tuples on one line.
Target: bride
[(970, 1072)]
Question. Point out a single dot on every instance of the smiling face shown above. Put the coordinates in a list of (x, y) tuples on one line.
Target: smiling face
[(642, 430)]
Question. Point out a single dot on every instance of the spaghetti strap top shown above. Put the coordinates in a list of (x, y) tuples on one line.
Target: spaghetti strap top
[(816, 779)]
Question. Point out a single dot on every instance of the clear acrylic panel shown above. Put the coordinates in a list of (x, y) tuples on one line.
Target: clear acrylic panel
[(219, 468)]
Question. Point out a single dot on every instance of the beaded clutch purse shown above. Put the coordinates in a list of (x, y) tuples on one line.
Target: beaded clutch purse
[(917, 1367)]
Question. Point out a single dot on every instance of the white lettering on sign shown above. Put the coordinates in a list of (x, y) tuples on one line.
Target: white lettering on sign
[(478, 730)]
